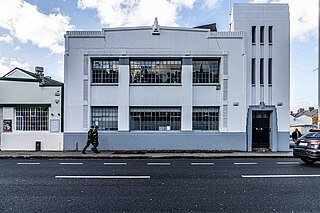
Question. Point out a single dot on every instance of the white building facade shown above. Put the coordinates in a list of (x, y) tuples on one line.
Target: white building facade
[(31, 112), (173, 88)]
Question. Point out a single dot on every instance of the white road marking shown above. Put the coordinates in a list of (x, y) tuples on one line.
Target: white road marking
[(116, 164), (159, 164), (245, 163), (28, 163), (277, 176), (103, 177), (287, 163), (202, 164), (71, 163)]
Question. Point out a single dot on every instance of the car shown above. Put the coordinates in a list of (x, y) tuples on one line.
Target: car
[(307, 147)]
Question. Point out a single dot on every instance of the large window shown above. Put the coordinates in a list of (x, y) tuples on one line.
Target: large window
[(32, 118), (206, 71), (105, 71), (105, 117), (155, 71), (155, 119), (205, 118)]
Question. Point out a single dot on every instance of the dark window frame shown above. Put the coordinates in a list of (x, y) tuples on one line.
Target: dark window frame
[(205, 118), (270, 71), (155, 71), (206, 70), (107, 118), (253, 71), (253, 34), (105, 70), (270, 33), (261, 34), (155, 118), (261, 71)]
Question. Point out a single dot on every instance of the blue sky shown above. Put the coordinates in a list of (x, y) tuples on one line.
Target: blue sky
[(31, 31)]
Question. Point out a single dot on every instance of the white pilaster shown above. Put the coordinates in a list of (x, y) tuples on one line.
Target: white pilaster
[(187, 94), (123, 95)]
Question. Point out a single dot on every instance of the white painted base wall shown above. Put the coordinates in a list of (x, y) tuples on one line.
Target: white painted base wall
[(26, 141)]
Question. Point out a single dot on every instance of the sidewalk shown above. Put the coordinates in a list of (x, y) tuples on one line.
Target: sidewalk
[(139, 155)]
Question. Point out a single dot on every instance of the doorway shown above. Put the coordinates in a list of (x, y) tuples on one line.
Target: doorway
[(261, 129)]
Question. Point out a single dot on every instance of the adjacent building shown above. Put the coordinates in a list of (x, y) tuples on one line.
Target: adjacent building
[(175, 88), (31, 112)]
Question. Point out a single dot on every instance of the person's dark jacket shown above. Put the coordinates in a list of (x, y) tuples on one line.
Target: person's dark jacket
[(296, 135)]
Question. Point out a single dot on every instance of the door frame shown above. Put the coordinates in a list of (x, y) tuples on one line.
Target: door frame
[(273, 125)]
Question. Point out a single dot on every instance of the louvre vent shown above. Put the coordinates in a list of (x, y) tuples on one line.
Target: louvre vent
[(85, 90), (225, 89), (225, 116), (225, 65), (85, 116), (85, 66)]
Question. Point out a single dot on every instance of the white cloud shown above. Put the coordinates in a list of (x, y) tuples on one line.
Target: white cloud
[(6, 38), (27, 23), (7, 64), (303, 17), (116, 13), (212, 4), (17, 48)]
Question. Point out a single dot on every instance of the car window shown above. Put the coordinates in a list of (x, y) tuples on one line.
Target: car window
[(312, 135)]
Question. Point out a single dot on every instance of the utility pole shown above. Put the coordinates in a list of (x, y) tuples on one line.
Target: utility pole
[(319, 65)]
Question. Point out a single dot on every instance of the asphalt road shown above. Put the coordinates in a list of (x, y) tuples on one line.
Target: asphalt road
[(218, 185)]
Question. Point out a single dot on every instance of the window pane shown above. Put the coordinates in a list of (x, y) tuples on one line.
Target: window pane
[(105, 71), (106, 117), (155, 71), (155, 119), (32, 118), (205, 118), (206, 71)]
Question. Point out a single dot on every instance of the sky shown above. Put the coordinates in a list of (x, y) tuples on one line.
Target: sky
[(32, 31)]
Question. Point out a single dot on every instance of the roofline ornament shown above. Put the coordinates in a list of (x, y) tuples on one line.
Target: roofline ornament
[(155, 27)]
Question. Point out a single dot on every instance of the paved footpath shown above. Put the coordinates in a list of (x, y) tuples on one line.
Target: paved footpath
[(140, 155)]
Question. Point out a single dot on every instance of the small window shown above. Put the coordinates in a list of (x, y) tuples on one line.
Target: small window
[(270, 34), (261, 71), (261, 34), (253, 71), (253, 34), (270, 71)]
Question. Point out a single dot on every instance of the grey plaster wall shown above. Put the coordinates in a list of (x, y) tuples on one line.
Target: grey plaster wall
[(160, 141), (283, 141)]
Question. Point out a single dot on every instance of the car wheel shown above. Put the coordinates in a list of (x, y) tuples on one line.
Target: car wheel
[(308, 160)]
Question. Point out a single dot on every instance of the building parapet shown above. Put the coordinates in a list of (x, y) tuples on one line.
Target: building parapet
[(226, 34), (84, 33)]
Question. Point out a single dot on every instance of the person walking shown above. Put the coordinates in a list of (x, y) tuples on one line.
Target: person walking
[(95, 140), (295, 135), (90, 139)]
